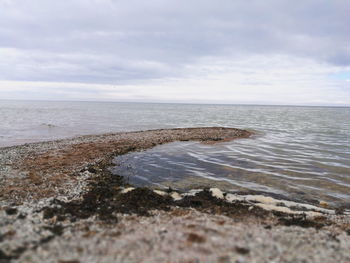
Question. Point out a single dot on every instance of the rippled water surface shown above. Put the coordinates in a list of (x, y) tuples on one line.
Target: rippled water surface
[(297, 151)]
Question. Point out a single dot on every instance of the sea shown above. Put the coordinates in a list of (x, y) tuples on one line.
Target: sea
[(298, 152)]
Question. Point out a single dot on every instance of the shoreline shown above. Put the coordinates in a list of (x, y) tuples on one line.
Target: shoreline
[(60, 186), (48, 165)]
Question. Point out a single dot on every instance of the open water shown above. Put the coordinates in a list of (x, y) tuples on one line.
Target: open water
[(297, 151)]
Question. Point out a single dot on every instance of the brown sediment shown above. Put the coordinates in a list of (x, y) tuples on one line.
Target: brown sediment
[(46, 173), (49, 172), (103, 210)]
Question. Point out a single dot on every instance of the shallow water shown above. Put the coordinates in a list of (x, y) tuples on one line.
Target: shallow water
[(242, 165), (301, 151)]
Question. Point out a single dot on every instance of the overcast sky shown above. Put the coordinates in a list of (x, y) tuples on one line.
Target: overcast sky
[(225, 51)]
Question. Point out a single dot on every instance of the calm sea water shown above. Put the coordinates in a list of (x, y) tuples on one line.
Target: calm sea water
[(297, 151)]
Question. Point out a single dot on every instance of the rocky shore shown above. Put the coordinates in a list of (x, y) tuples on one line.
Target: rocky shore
[(60, 203)]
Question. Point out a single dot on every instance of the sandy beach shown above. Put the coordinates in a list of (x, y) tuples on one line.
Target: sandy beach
[(60, 203)]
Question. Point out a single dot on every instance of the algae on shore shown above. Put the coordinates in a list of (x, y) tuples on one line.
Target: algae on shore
[(60, 203)]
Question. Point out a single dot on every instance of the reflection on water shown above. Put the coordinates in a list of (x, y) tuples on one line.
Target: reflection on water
[(302, 151), (259, 164)]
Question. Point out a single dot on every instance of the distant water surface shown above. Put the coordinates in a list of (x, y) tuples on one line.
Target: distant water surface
[(297, 151)]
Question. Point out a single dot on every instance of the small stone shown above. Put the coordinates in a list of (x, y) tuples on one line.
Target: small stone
[(176, 196), (159, 192), (242, 250), (127, 190), (324, 204), (92, 170), (195, 238), (11, 210)]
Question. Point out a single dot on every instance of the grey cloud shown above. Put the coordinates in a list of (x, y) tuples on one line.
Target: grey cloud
[(123, 41)]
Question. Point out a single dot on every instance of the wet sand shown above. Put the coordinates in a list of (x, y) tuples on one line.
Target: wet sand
[(60, 203)]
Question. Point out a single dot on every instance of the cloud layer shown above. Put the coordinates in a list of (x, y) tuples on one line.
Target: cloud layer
[(156, 50)]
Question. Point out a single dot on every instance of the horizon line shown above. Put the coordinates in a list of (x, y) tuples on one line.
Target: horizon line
[(183, 102)]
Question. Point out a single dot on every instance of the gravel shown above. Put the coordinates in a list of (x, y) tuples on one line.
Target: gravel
[(35, 177)]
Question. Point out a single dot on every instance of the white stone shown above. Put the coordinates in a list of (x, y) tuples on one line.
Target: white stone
[(176, 196), (192, 192), (216, 192), (160, 192), (127, 190), (232, 197), (287, 210)]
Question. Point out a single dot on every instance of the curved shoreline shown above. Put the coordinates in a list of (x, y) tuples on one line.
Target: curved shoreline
[(50, 190), (44, 168)]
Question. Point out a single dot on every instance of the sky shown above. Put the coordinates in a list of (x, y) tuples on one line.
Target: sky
[(192, 51)]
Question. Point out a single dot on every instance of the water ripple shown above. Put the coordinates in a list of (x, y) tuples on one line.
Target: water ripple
[(302, 151)]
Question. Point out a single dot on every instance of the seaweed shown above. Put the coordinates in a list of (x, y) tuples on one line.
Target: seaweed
[(302, 221)]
